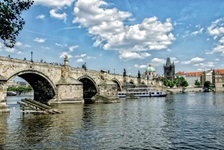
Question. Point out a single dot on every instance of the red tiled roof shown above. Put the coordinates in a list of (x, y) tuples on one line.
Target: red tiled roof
[(221, 71), (179, 72), (190, 73), (194, 73)]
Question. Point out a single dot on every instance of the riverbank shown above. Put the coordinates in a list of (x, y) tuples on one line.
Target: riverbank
[(188, 89), (4, 108)]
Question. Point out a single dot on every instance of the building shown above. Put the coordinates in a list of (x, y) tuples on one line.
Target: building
[(218, 79), (207, 76), (169, 70), (150, 72), (190, 77)]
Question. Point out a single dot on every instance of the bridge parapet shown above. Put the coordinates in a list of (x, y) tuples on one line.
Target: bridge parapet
[(51, 80)]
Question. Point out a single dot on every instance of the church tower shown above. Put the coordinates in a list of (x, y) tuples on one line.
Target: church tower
[(169, 70)]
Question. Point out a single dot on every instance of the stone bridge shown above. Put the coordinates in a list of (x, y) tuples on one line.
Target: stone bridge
[(63, 82)]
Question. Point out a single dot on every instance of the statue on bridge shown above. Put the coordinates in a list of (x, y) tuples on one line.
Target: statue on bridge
[(66, 60), (124, 74)]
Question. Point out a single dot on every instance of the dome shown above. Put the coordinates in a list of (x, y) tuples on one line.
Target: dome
[(150, 69)]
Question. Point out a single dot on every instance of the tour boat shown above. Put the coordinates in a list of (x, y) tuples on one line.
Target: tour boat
[(142, 92)]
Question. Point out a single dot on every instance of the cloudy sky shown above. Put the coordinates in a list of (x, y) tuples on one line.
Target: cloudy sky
[(117, 34)]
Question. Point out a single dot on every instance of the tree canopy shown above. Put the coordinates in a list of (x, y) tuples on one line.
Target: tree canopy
[(197, 83), (168, 82), (207, 84), (11, 21), (20, 89), (180, 81)]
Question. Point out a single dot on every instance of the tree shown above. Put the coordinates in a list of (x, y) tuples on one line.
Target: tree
[(20, 89), (11, 21), (167, 82), (197, 83), (207, 84), (180, 81)]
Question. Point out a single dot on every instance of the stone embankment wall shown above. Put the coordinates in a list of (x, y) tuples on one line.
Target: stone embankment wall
[(179, 90)]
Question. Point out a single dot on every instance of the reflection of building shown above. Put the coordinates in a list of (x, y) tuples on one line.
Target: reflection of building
[(150, 72), (169, 70), (218, 79)]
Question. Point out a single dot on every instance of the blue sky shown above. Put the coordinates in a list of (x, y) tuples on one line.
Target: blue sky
[(117, 34)]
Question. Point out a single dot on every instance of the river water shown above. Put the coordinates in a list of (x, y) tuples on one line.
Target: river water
[(179, 121)]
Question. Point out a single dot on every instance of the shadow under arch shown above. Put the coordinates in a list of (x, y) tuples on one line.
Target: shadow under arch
[(89, 88), (132, 84), (43, 87), (119, 87)]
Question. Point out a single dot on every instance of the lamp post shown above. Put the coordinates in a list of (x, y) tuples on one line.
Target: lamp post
[(31, 56)]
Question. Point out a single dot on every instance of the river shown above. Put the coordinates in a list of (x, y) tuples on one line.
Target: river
[(179, 121)]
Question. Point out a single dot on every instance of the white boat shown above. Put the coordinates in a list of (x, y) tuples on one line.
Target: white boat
[(142, 92)]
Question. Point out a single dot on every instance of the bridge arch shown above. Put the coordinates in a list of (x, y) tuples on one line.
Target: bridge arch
[(90, 88), (44, 88), (132, 83), (119, 87)]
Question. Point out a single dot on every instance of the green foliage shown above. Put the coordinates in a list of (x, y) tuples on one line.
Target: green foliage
[(207, 84), (11, 21), (197, 83), (167, 82), (20, 89), (180, 81)]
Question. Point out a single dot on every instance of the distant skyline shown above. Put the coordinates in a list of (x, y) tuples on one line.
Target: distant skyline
[(131, 34)]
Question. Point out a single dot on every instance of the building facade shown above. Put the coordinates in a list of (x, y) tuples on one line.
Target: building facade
[(169, 70), (218, 79), (191, 77), (150, 72)]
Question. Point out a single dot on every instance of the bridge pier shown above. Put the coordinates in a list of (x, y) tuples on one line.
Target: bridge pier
[(107, 92), (69, 90), (3, 89)]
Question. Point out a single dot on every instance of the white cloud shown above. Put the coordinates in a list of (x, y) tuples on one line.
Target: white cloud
[(80, 60), (174, 59), (72, 48), (40, 16), (217, 59), (141, 66), (217, 31), (107, 27), (59, 45), (19, 44), (55, 14), (219, 49), (200, 31), (80, 56), (7, 49), (55, 3), (26, 45), (90, 57), (207, 52), (39, 40), (221, 40), (197, 59), (193, 60), (216, 28), (83, 57), (158, 61), (133, 55), (62, 55), (205, 66)]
